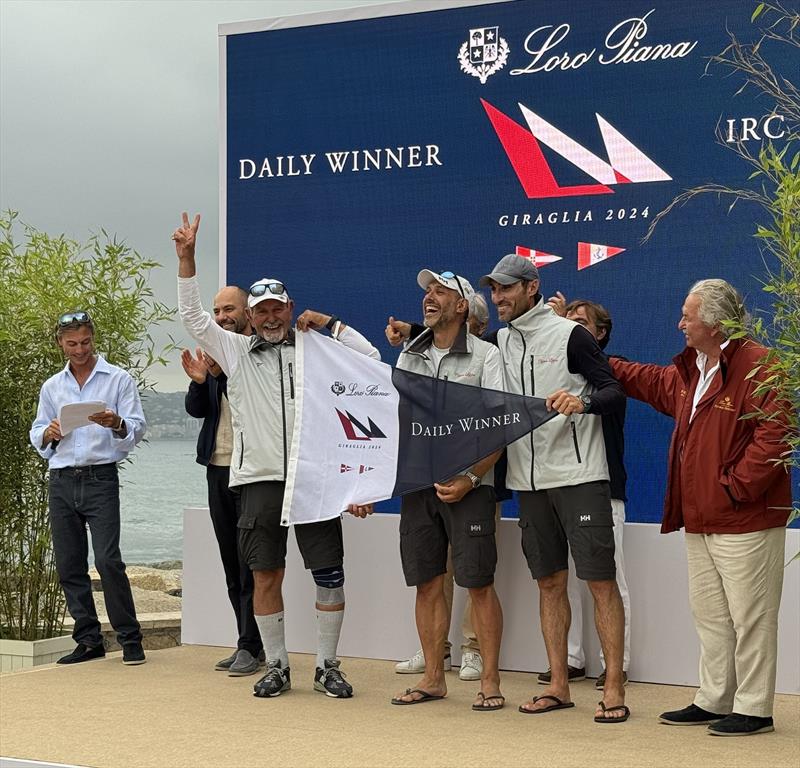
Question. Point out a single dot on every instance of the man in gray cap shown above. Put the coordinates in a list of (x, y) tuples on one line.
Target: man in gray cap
[(561, 475)]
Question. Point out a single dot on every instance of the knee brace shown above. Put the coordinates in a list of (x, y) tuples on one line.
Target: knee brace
[(330, 585)]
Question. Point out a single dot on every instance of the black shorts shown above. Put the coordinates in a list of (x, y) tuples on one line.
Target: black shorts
[(574, 519), (427, 524), (262, 538)]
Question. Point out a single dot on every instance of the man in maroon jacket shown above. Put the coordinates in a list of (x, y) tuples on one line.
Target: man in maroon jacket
[(727, 490)]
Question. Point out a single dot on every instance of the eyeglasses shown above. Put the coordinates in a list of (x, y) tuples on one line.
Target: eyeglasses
[(74, 318), (450, 275), (275, 288)]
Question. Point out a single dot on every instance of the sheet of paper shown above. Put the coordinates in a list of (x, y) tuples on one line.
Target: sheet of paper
[(74, 415)]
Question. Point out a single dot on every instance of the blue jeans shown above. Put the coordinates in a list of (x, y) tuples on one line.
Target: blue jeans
[(81, 496)]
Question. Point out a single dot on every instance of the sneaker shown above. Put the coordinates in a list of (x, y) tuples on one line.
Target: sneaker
[(471, 666), (600, 683), (416, 664), (741, 725), (223, 665), (691, 715), (244, 664), (133, 654), (574, 675), (331, 682), (83, 653), (275, 682)]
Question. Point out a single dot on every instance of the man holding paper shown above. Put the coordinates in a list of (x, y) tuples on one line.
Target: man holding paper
[(89, 418)]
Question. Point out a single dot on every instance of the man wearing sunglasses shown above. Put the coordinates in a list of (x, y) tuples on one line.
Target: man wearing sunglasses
[(459, 512), (84, 486), (261, 387)]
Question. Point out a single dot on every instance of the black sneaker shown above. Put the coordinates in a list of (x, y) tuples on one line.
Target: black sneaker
[(275, 682), (600, 683), (741, 725), (83, 653), (331, 682), (691, 715), (133, 654), (574, 675)]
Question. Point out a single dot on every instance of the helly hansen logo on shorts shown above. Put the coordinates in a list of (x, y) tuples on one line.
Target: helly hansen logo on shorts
[(476, 527), (586, 518)]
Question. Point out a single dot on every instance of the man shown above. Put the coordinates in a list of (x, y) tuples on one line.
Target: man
[(728, 489), (261, 387), (84, 486), (458, 512), (471, 660), (595, 319), (561, 475), (207, 399)]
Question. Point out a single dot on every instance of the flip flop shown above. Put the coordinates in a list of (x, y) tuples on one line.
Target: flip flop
[(626, 713), (424, 696), (492, 707), (557, 705)]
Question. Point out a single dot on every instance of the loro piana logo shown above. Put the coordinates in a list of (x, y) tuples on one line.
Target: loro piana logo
[(484, 53)]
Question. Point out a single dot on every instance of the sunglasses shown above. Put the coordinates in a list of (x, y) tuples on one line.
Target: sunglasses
[(74, 318), (275, 288), (450, 275)]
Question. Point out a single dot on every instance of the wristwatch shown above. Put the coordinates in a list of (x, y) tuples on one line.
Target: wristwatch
[(587, 403), (473, 478)]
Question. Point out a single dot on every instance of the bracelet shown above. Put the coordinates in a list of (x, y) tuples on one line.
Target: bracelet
[(329, 325)]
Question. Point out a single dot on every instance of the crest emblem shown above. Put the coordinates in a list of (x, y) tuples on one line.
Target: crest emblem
[(484, 53), (337, 388)]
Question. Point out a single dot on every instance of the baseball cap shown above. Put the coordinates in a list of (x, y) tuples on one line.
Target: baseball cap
[(266, 288), (511, 269), (448, 279)]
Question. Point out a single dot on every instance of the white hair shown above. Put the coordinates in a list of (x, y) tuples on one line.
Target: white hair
[(720, 302), (478, 308)]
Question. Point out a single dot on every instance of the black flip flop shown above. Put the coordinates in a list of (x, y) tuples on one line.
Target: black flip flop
[(491, 708), (626, 713), (424, 696), (557, 705)]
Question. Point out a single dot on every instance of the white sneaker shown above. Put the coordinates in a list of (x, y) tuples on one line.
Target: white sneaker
[(471, 666), (416, 664)]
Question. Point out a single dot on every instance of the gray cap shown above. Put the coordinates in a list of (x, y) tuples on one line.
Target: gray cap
[(511, 269)]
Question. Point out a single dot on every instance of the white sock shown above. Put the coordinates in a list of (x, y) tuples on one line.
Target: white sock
[(273, 637), (329, 627)]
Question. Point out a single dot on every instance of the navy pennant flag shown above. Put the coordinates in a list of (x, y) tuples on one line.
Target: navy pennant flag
[(364, 431)]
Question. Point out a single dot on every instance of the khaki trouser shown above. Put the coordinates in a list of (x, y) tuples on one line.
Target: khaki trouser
[(735, 583)]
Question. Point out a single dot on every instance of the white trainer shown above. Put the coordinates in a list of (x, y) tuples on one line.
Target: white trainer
[(416, 664), (471, 666)]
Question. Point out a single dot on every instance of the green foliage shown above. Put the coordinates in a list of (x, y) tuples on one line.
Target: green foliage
[(44, 276), (776, 190)]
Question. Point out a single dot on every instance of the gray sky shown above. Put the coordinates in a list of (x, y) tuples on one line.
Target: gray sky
[(108, 117)]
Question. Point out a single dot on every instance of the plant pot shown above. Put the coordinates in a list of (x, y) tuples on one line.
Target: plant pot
[(25, 654)]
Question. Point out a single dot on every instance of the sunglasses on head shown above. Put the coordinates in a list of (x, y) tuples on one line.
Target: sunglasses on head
[(74, 318), (450, 275), (275, 288)]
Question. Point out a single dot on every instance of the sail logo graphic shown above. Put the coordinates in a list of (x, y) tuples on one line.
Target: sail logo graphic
[(350, 424), (626, 164)]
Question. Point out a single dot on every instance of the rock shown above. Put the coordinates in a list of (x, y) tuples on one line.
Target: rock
[(147, 578), (145, 600)]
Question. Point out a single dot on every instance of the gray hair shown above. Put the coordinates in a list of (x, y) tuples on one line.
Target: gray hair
[(720, 302), (479, 309)]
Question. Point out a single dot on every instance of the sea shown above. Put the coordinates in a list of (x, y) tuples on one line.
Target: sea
[(160, 480)]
